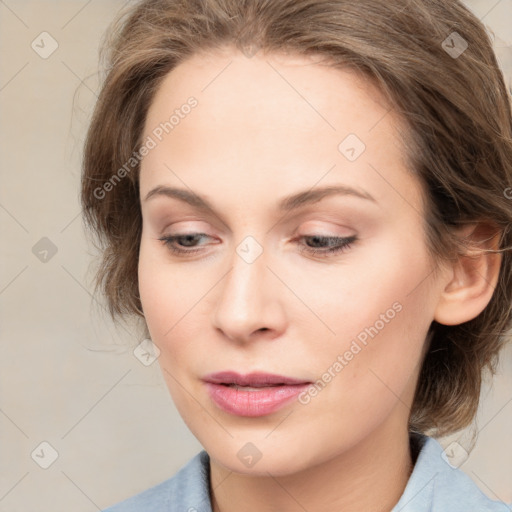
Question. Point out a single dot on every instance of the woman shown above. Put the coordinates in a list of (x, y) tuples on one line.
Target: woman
[(305, 202)]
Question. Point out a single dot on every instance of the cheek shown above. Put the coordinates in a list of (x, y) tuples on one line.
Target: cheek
[(165, 302), (172, 298), (380, 314), (166, 292), (388, 274)]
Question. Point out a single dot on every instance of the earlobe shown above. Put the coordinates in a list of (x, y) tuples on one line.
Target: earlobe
[(473, 277)]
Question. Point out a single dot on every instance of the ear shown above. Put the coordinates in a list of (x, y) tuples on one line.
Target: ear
[(471, 278)]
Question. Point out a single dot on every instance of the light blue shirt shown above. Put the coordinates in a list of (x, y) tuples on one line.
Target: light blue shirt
[(434, 486)]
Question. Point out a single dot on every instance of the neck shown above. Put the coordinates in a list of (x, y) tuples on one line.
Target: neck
[(370, 476)]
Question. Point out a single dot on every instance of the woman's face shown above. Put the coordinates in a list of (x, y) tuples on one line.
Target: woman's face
[(261, 141)]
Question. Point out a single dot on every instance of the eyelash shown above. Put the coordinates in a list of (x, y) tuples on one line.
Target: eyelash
[(344, 244)]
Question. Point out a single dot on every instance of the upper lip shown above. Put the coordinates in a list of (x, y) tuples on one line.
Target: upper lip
[(255, 379)]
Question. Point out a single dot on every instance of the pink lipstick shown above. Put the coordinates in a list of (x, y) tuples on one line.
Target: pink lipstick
[(253, 394)]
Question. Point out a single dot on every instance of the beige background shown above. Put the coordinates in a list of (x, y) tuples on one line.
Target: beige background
[(67, 376)]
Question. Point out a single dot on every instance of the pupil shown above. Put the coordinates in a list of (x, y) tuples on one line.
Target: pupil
[(189, 238)]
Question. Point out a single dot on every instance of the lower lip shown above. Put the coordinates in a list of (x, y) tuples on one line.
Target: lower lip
[(253, 403)]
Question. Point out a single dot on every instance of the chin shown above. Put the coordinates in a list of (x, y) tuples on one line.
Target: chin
[(260, 458)]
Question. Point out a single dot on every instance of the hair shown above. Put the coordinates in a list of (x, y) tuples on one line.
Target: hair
[(456, 109)]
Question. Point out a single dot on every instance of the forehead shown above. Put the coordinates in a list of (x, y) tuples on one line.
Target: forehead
[(274, 89), (277, 119)]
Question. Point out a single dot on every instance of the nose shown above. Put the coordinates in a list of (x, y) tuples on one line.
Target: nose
[(249, 303)]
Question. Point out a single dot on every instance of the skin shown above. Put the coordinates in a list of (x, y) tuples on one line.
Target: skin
[(267, 127)]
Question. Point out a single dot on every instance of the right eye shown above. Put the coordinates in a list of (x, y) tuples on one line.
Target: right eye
[(188, 238)]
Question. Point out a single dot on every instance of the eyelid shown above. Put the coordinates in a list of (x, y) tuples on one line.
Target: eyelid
[(308, 228), (324, 212), (327, 228), (186, 227)]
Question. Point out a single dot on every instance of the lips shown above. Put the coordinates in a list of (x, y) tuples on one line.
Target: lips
[(254, 394), (254, 380)]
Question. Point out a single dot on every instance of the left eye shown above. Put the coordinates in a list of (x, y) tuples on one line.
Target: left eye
[(334, 244), (325, 245)]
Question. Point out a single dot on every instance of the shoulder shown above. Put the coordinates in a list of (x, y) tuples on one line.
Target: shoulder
[(186, 491), (436, 485)]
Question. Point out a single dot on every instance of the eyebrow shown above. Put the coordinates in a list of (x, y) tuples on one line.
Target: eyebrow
[(287, 204)]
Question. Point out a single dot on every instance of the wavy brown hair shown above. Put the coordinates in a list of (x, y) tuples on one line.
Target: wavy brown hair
[(459, 142)]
